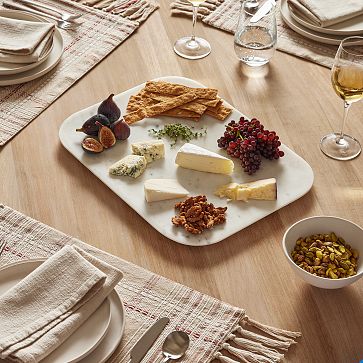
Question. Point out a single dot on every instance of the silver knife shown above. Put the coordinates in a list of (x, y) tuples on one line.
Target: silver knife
[(142, 346)]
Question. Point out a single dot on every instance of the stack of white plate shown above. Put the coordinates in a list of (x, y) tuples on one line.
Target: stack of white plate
[(95, 340), (329, 35), (12, 73)]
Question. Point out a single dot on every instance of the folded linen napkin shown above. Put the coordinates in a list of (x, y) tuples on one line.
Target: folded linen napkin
[(327, 12), (24, 41), (46, 307)]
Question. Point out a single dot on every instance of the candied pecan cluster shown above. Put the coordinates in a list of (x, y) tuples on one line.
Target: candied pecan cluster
[(196, 214)]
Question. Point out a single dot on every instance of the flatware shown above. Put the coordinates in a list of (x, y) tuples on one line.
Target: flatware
[(63, 15), (175, 345), (147, 340), (59, 23), (2, 247)]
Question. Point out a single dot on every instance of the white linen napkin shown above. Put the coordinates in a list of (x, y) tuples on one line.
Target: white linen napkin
[(327, 12), (24, 41), (44, 309)]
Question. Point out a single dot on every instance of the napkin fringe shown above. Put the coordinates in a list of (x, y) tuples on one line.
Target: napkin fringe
[(183, 7), (252, 347), (135, 10)]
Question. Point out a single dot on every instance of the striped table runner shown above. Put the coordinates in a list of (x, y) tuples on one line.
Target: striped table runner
[(105, 25), (214, 327)]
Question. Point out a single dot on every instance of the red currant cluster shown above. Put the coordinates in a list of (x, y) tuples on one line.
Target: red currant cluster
[(249, 141)]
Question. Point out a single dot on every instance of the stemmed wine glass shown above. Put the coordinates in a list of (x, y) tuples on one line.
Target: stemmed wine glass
[(192, 47), (347, 81)]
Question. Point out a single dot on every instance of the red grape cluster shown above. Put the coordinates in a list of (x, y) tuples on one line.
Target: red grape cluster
[(249, 141)]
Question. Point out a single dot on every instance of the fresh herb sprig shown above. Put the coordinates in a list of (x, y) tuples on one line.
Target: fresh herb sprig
[(175, 132)]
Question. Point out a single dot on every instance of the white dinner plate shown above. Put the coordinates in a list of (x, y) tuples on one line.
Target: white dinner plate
[(305, 32), (294, 176), (41, 68), (89, 336), (353, 26)]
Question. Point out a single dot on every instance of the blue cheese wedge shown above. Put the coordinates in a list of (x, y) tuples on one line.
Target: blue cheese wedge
[(163, 189), (264, 189), (197, 158), (152, 150), (130, 165)]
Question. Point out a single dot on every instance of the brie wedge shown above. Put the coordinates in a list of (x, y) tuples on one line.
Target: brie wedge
[(163, 189), (264, 189), (195, 157)]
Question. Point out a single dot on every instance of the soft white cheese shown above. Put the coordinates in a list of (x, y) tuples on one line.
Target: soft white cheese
[(197, 158), (130, 165), (163, 189), (152, 150)]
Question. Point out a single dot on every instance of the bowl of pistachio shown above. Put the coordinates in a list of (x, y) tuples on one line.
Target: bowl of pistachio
[(325, 251)]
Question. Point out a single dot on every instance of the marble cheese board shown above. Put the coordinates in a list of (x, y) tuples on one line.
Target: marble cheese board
[(293, 174)]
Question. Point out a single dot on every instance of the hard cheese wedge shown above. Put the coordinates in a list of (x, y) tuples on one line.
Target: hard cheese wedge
[(163, 189), (197, 158), (264, 189)]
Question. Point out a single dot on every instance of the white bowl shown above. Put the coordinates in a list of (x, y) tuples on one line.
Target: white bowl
[(351, 232)]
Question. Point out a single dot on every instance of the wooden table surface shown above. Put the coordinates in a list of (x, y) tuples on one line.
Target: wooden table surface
[(295, 98)]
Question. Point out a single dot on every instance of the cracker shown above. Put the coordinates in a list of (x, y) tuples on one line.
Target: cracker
[(206, 102), (167, 105), (191, 106), (135, 103), (216, 108), (222, 113), (135, 116), (179, 112), (166, 88)]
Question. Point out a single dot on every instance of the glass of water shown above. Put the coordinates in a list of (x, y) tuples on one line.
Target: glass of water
[(256, 34)]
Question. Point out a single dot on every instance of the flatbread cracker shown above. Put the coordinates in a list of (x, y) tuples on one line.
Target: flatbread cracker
[(135, 116), (205, 102), (168, 105), (191, 106), (222, 113), (179, 112), (166, 88)]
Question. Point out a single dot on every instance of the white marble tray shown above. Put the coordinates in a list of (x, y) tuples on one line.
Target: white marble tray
[(294, 176)]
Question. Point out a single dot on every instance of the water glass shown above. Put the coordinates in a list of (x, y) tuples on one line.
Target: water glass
[(256, 34)]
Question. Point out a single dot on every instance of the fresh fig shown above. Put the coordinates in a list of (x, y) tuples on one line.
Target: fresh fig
[(121, 130), (90, 127), (106, 136), (92, 145), (109, 108)]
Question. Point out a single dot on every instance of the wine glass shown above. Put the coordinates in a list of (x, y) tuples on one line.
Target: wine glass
[(192, 47), (347, 81)]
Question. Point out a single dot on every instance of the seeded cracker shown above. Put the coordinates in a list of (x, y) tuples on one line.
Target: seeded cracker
[(167, 105), (166, 88)]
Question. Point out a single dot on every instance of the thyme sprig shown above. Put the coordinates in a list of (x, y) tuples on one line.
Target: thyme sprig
[(178, 131)]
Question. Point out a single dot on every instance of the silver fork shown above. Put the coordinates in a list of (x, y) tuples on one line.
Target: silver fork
[(63, 15), (2, 247), (60, 23)]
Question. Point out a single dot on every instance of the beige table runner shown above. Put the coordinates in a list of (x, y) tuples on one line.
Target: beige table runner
[(214, 327), (223, 14), (100, 33)]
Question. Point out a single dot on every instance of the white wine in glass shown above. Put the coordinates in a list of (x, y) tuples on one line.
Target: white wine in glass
[(347, 81), (192, 47)]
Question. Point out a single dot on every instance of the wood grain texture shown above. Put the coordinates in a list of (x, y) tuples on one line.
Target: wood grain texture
[(295, 98)]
